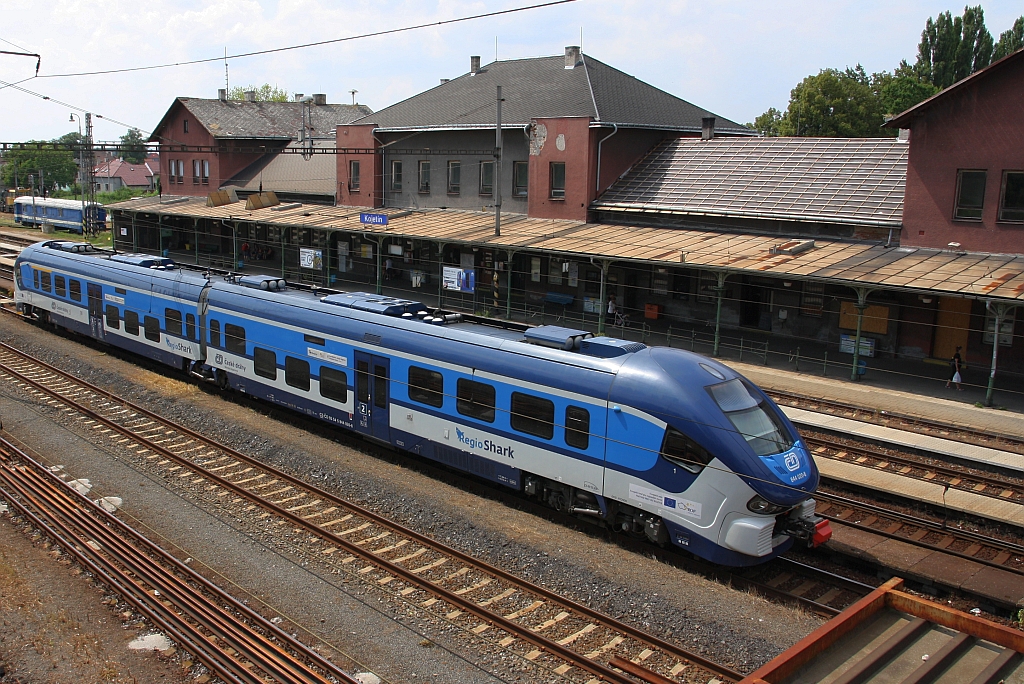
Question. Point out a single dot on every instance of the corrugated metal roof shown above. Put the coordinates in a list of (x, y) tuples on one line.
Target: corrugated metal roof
[(543, 87), (976, 275), (844, 180)]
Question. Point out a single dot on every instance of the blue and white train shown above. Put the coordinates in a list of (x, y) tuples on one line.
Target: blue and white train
[(657, 442), (62, 213)]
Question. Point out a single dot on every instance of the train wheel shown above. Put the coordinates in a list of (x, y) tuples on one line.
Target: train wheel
[(222, 379)]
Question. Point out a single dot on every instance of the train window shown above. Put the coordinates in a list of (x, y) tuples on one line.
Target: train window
[(47, 286), (151, 325), (35, 278), (533, 415), (312, 339), (475, 399), (684, 452), (265, 363), (333, 384), (234, 338), (577, 427), (172, 321), (120, 290), (296, 373), (214, 333), (113, 317), (426, 386), (60, 286), (76, 290), (190, 326), (753, 417), (380, 386), (131, 322), (363, 381)]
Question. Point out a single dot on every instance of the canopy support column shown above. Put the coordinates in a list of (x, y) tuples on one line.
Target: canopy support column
[(862, 304), (719, 293)]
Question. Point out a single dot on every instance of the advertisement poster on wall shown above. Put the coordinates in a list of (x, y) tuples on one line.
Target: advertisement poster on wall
[(459, 279), (311, 258)]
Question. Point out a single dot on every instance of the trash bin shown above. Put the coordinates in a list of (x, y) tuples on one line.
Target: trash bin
[(862, 366)]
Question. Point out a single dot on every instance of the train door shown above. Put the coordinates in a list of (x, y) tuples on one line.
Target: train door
[(95, 293), (372, 400)]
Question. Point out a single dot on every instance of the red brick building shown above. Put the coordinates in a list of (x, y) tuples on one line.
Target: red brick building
[(965, 173), (571, 125), (238, 126)]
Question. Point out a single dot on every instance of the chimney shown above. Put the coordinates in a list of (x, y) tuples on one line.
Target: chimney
[(298, 97), (222, 94), (444, 80), (250, 95), (474, 64), (319, 98), (572, 56), (707, 128)]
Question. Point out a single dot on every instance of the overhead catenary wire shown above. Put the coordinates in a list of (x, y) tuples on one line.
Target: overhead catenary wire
[(318, 43)]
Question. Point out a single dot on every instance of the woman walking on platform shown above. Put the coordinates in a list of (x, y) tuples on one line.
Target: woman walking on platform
[(955, 366)]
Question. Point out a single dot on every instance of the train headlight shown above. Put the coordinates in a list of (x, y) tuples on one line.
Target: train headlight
[(764, 507)]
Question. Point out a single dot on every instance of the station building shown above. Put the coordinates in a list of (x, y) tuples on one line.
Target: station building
[(704, 235)]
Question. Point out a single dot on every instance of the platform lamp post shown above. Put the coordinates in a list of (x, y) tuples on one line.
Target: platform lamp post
[(81, 162), (602, 308), (862, 304), (719, 293)]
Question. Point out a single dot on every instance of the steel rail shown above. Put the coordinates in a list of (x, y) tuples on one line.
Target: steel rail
[(260, 650), (463, 603)]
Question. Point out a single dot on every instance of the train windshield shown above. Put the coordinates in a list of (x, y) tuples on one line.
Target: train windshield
[(752, 417)]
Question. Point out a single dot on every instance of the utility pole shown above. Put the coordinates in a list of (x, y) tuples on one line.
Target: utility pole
[(497, 173), (89, 161), (32, 181)]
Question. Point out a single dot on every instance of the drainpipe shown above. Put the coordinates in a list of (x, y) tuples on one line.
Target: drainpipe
[(1000, 311), (508, 286), (597, 188), (719, 292), (195, 240), (862, 303)]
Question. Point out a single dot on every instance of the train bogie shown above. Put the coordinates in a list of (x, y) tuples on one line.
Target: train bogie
[(657, 443)]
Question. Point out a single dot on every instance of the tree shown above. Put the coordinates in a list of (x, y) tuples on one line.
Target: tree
[(134, 147), (833, 104), (1010, 41), (57, 166), (953, 48), (768, 123), (264, 93)]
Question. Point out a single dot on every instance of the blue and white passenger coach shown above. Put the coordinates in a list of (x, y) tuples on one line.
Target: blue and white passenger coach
[(654, 441), (61, 213)]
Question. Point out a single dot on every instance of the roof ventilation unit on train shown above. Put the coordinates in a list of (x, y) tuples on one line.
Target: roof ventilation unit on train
[(143, 261), (374, 303), (263, 282), (66, 246), (609, 347), (556, 337)]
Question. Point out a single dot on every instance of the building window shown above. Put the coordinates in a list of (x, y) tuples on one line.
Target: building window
[(812, 299), (396, 176), (181, 171), (970, 195), (454, 177), (185, 125), (424, 183), (195, 172), (520, 178), (206, 172), (353, 175), (1011, 197), (557, 180), (487, 178)]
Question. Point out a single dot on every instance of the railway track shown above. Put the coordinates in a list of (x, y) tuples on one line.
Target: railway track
[(900, 421), (558, 635), (927, 470), (232, 641)]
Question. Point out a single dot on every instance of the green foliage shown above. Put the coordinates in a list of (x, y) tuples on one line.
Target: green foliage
[(134, 151), (1010, 41), (901, 93), (119, 195), (953, 48), (768, 123), (833, 104), (264, 93), (58, 166)]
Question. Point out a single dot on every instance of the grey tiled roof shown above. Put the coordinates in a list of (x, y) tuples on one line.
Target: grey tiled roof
[(290, 173), (240, 119), (543, 87), (846, 180)]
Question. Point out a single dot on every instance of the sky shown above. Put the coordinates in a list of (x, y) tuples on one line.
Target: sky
[(735, 59)]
